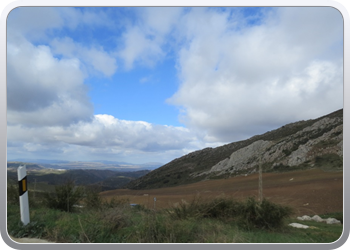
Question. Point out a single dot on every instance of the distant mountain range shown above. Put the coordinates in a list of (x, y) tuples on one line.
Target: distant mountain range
[(106, 175), (102, 165), (104, 179), (315, 143)]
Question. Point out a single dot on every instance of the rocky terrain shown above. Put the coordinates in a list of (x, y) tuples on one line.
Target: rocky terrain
[(316, 143), (304, 147)]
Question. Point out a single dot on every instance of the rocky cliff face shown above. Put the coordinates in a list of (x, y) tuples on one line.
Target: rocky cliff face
[(324, 138), (299, 145)]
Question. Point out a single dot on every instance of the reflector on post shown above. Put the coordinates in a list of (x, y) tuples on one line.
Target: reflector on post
[(23, 194)]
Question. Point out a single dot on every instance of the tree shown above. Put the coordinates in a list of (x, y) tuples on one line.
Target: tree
[(65, 196), (93, 199)]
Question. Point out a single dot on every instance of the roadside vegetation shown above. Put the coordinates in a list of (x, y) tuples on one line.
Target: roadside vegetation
[(78, 215)]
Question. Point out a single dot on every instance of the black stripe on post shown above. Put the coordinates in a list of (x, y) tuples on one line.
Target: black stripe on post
[(23, 186)]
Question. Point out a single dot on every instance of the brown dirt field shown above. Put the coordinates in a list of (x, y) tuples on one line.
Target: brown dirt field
[(309, 192)]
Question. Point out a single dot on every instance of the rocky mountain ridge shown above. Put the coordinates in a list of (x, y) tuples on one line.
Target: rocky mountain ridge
[(299, 145), (299, 148)]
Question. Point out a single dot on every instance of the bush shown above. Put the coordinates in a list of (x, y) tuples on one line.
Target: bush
[(100, 226), (329, 161), (115, 203), (65, 196), (92, 198), (154, 228), (34, 198), (249, 214), (114, 218), (185, 210), (262, 215), (222, 208), (13, 194)]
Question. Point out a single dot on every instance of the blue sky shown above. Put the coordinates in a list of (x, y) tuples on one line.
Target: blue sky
[(152, 84)]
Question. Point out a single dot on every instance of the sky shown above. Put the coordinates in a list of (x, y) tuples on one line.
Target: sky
[(152, 84)]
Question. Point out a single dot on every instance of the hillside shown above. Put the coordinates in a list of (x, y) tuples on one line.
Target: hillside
[(300, 145), (307, 191), (105, 179), (12, 166)]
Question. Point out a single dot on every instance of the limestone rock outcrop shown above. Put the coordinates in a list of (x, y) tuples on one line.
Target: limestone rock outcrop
[(324, 137)]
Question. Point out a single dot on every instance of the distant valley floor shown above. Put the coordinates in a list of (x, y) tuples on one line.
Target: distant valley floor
[(308, 191)]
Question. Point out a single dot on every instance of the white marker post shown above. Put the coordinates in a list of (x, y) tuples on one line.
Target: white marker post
[(23, 194)]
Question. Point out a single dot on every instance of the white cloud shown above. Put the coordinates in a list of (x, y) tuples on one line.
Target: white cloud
[(144, 42), (45, 83), (108, 136), (74, 17), (168, 15), (33, 22), (43, 90), (139, 48), (237, 79), (240, 82), (95, 58)]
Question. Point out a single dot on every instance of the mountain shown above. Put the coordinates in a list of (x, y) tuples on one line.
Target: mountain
[(102, 165), (299, 145), (104, 179), (39, 161), (12, 166)]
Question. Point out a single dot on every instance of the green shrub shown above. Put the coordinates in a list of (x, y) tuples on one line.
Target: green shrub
[(262, 215), (100, 226), (329, 161), (12, 194), (222, 208), (115, 203), (154, 228), (141, 207), (92, 198), (114, 218), (185, 210), (34, 198), (65, 196)]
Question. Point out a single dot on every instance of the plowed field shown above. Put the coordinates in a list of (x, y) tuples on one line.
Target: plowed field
[(308, 192)]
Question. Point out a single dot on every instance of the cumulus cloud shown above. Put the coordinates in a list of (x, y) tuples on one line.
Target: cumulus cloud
[(96, 57), (33, 22), (140, 48), (238, 77), (106, 135), (74, 17), (45, 82), (144, 42), (237, 83), (43, 90)]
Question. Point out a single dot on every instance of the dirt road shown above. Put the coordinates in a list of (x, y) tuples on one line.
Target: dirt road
[(29, 240)]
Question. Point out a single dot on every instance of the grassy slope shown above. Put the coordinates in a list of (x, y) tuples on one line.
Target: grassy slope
[(177, 171), (131, 225)]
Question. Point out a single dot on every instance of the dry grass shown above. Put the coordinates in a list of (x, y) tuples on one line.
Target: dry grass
[(308, 191)]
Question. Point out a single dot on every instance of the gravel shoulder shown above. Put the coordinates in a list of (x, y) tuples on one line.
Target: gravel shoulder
[(29, 240)]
